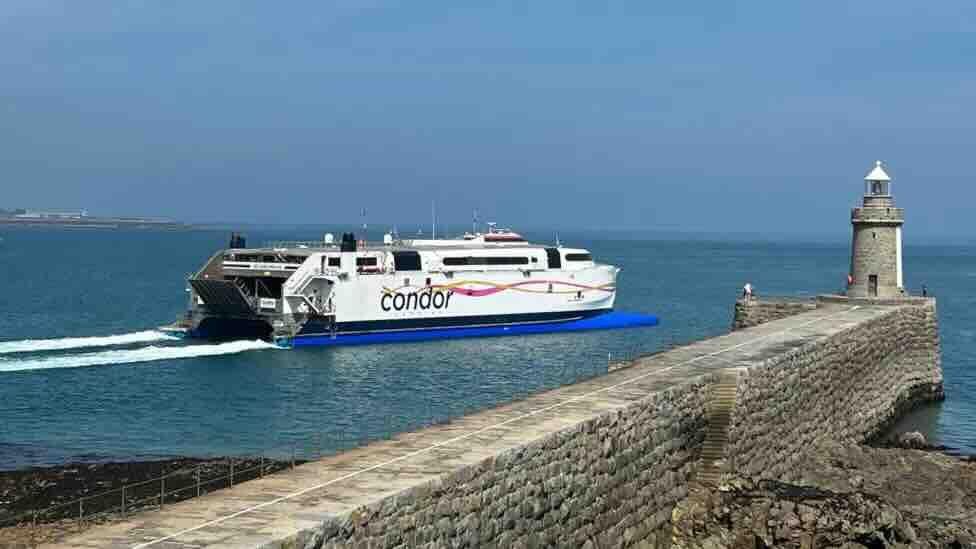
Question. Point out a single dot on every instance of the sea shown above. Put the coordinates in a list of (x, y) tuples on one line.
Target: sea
[(86, 377)]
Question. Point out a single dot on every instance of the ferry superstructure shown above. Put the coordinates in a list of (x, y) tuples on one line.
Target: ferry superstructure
[(321, 293)]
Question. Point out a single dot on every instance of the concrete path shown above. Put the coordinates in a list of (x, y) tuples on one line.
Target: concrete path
[(264, 510)]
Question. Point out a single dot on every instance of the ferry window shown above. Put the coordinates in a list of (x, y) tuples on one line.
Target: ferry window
[(535, 260), (334, 262), (268, 259), (365, 261), (507, 261), (578, 257), (406, 261), (489, 260), (555, 262)]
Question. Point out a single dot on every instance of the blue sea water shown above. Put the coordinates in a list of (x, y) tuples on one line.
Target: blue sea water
[(149, 397)]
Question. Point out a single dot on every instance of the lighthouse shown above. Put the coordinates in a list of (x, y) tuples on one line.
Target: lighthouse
[(876, 258)]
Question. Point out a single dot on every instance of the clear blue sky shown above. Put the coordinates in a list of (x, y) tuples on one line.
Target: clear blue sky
[(702, 116)]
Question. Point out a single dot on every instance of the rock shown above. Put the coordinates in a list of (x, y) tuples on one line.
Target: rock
[(912, 441), (841, 518), (845, 496), (314, 541)]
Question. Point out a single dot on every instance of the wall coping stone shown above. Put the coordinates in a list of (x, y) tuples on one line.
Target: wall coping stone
[(918, 301)]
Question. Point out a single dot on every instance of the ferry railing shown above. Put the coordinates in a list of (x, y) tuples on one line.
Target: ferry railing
[(300, 279), (285, 244), (202, 476)]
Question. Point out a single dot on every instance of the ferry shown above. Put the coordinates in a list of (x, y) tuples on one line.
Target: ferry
[(350, 291)]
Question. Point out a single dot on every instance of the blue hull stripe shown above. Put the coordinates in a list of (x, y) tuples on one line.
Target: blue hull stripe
[(605, 321)]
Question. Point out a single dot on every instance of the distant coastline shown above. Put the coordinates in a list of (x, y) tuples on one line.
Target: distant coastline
[(81, 220)]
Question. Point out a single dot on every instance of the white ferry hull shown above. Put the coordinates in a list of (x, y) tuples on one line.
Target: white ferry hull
[(359, 294), (436, 299)]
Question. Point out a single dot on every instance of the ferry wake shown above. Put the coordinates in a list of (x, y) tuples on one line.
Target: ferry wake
[(353, 292)]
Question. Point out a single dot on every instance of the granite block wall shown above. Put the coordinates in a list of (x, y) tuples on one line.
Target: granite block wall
[(755, 311), (844, 388), (608, 482), (614, 480)]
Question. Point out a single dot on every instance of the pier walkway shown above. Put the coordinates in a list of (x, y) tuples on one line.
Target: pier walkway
[(260, 512)]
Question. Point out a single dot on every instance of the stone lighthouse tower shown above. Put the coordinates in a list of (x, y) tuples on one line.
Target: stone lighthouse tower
[(876, 262)]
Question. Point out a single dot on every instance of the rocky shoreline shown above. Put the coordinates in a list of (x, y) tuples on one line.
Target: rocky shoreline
[(906, 494), (43, 503)]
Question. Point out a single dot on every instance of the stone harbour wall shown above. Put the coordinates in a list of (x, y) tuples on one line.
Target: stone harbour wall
[(607, 482), (755, 311), (841, 389), (614, 480)]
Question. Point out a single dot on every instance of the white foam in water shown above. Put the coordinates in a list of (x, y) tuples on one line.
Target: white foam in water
[(129, 356), (62, 344)]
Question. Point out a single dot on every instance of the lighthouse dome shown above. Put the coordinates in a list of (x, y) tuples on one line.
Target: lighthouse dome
[(878, 173)]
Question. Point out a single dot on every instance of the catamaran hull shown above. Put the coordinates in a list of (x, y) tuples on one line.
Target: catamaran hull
[(218, 328), (309, 294), (591, 320), (316, 333)]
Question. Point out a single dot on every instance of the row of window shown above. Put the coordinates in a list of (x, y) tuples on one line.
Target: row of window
[(410, 261), (486, 260), (255, 258), (360, 262), (493, 260)]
